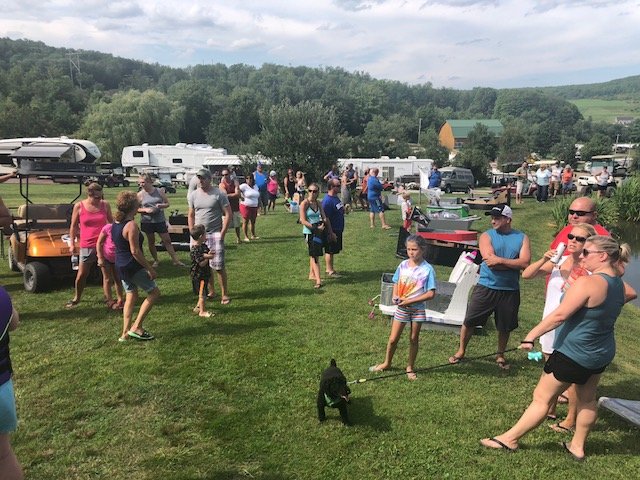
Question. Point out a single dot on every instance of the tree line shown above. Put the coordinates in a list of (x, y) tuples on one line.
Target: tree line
[(300, 116)]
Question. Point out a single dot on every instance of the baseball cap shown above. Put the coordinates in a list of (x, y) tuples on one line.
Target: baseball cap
[(204, 173), (500, 210), (272, 173)]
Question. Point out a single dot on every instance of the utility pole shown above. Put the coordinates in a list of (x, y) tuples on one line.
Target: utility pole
[(74, 66), (419, 129)]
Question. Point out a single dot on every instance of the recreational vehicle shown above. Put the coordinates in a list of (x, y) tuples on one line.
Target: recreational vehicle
[(178, 158), (66, 150)]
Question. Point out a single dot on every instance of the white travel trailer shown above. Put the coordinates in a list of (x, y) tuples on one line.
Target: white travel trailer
[(390, 168), (177, 158), (82, 151)]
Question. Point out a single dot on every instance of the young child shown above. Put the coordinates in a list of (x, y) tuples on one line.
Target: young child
[(273, 189), (106, 252), (406, 209), (414, 284), (200, 270)]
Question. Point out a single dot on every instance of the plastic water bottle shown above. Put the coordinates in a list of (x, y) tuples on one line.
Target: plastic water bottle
[(559, 251), (75, 262)]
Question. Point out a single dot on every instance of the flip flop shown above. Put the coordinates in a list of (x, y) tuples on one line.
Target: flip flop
[(454, 360), (562, 398), (556, 427), (411, 375), (72, 304), (485, 442), (140, 336), (225, 301), (333, 275), (387, 227), (317, 285), (566, 449), (375, 368), (206, 314)]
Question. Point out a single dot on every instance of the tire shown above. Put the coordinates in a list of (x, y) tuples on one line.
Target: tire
[(110, 183), (125, 183), (587, 191), (37, 277), (447, 189), (610, 191), (13, 265)]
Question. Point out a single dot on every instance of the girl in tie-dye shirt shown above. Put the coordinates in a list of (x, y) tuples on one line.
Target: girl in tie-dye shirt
[(414, 284)]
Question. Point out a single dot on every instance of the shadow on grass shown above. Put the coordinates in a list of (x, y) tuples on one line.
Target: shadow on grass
[(235, 475), (361, 412), (212, 328)]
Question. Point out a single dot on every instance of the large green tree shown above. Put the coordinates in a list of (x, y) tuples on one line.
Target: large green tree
[(430, 143), (132, 118), (599, 144), (305, 135)]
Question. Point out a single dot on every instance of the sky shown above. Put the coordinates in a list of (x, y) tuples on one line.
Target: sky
[(457, 44)]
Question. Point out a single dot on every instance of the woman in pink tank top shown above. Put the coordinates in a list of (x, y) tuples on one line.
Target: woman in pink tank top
[(88, 218)]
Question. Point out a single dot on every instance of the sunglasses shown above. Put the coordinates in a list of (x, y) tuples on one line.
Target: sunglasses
[(313, 191), (580, 213), (585, 252), (571, 236)]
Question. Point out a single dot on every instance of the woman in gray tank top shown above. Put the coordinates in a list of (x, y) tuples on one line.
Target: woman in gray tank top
[(153, 201), (583, 347)]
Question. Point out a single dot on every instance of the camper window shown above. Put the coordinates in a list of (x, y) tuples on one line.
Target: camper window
[(138, 154), (387, 172), (176, 160)]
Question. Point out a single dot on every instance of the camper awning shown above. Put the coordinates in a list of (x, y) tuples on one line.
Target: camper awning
[(48, 151)]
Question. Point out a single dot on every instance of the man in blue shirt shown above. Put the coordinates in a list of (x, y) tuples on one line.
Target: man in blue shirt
[(435, 178), (261, 180), (505, 252), (334, 211)]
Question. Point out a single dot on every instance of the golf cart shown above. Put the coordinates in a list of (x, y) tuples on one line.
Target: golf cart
[(38, 246)]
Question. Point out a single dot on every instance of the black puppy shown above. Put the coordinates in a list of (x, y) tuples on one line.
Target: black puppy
[(333, 393)]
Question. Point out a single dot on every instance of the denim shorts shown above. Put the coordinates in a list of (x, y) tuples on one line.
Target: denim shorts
[(8, 417), (139, 280)]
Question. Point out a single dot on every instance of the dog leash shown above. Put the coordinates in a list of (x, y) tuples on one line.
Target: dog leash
[(425, 369)]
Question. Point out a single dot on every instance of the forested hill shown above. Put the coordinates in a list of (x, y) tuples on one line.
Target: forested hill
[(621, 88), (300, 115)]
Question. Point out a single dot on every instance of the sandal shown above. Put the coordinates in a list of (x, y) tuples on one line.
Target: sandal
[(110, 303), (225, 301), (333, 275), (117, 306), (140, 336), (72, 304), (411, 375), (317, 285), (206, 314), (453, 360)]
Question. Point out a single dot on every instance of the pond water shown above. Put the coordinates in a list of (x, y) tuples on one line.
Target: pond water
[(631, 235)]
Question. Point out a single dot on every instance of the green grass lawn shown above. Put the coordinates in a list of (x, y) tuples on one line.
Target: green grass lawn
[(233, 396), (601, 110)]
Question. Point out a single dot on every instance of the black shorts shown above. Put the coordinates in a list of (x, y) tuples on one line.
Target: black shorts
[(200, 286), (151, 227), (504, 304), (316, 249), (603, 188), (566, 370), (334, 247)]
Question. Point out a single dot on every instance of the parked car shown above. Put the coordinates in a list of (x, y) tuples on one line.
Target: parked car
[(456, 179)]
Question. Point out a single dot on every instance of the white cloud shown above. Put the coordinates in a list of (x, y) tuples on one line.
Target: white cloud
[(453, 43)]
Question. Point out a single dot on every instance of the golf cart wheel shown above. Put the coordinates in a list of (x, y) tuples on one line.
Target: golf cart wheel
[(37, 277), (125, 183), (610, 191), (110, 182), (447, 189), (13, 265)]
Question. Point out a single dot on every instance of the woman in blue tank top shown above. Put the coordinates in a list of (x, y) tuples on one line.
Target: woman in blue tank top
[(584, 343), (134, 269)]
